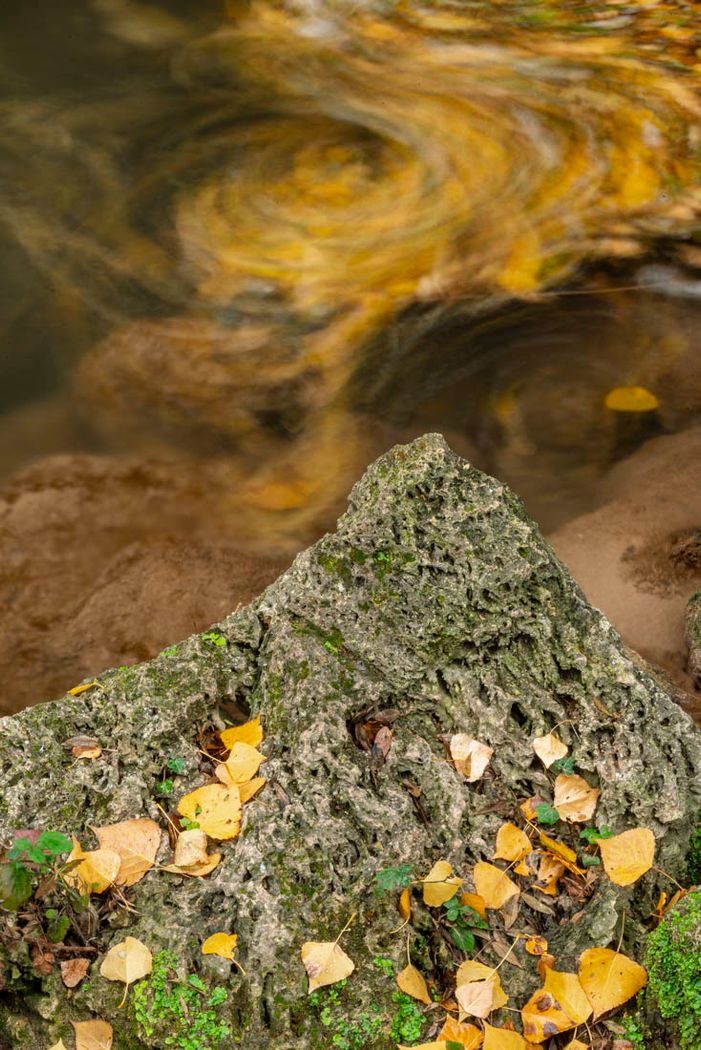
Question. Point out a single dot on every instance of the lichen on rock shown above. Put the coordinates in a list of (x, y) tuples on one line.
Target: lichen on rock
[(437, 597)]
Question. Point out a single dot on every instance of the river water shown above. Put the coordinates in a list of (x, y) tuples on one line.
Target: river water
[(251, 245)]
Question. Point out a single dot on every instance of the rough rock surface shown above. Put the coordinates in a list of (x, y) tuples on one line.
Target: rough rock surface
[(435, 596)]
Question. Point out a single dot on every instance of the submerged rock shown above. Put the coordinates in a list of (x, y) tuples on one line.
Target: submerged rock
[(437, 598)]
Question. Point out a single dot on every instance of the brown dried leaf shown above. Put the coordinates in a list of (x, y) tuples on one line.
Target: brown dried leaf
[(73, 971)]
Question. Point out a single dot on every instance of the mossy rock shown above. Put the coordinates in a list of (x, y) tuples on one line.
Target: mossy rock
[(436, 597), (673, 961)]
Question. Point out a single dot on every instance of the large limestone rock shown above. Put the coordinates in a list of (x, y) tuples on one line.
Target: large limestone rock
[(437, 597)]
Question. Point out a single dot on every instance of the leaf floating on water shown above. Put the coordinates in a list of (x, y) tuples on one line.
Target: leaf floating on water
[(466, 1035), (221, 944), (502, 1039), (325, 963), (559, 1005), (471, 757), (136, 842), (412, 983), (242, 764), (549, 749), (92, 1035), (512, 843), (631, 399), (627, 856), (493, 885), (216, 808), (250, 733), (575, 800), (440, 885), (609, 978), (128, 961)]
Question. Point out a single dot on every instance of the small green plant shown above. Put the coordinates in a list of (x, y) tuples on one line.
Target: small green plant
[(546, 814), (183, 1013), (391, 880), (632, 1029), (26, 861), (214, 637), (590, 835), (385, 965), (674, 969), (563, 765), (408, 1020), (461, 917), (170, 651), (188, 825), (176, 765), (165, 787)]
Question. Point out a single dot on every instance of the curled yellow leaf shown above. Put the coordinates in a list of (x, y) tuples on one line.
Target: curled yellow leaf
[(249, 733), (466, 1035), (242, 764), (222, 944)]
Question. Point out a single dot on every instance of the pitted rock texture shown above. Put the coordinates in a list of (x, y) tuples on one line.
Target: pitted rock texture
[(436, 596)]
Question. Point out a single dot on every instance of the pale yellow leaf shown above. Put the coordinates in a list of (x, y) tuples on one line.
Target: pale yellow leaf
[(249, 733), (609, 978), (512, 843), (440, 885), (78, 689), (248, 790), (575, 800), (471, 757), (190, 848), (216, 808), (466, 1035), (556, 1007), (92, 1035), (627, 856), (222, 944), (325, 963), (493, 885), (98, 869), (502, 1039), (549, 749), (475, 999), (242, 764), (472, 970), (60, 1045), (560, 848), (136, 842), (128, 961), (412, 983)]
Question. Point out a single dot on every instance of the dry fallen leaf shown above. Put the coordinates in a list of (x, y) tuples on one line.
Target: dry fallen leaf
[(476, 999), (136, 842), (92, 1035), (216, 808), (472, 971), (474, 901), (249, 733), (60, 1045), (437, 1044), (405, 903), (471, 757), (440, 885), (549, 749), (190, 848), (627, 856), (241, 766), (549, 871), (466, 1035), (73, 971), (536, 945), (222, 944), (512, 843), (412, 983), (325, 963), (556, 1007), (98, 869), (631, 399), (128, 961), (609, 978), (78, 689), (493, 885), (575, 800), (577, 1044), (251, 788), (502, 1039)]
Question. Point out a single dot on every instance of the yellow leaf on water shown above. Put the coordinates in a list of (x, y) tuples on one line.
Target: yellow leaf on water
[(475, 999), (242, 764), (471, 757), (512, 843), (556, 1007), (222, 944), (465, 1034), (325, 963), (249, 733), (248, 790), (440, 885), (575, 800), (609, 978), (412, 983), (631, 399), (549, 749), (627, 856), (92, 1035), (136, 842), (216, 808), (128, 961), (502, 1039), (98, 869), (493, 885)]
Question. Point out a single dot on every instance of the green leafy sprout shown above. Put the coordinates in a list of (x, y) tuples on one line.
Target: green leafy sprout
[(392, 880), (546, 814), (214, 637), (27, 860), (461, 917), (182, 1013)]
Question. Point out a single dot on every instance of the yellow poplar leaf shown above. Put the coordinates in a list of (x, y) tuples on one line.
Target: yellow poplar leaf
[(440, 885), (502, 1039), (325, 963), (556, 1007), (476, 999), (474, 901), (536, 945), (60, 1045), (528, 808), (242, 764), (512, 843), (465, 1034), (405, 903), (249, 733), (98, 869), (568, 855), (609, 978), (198, 870), (222, 944), (136, 842), (412, 983), (471, 971), (549, 872), (493, 885), (471, 757), (575, 800), (216, 808), (549, 749), (92, 1035), (524, 868), (128, 961), (631, 399), (251, 788), (577, 1044), (627, 856), (82, 751), (190, 848)]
